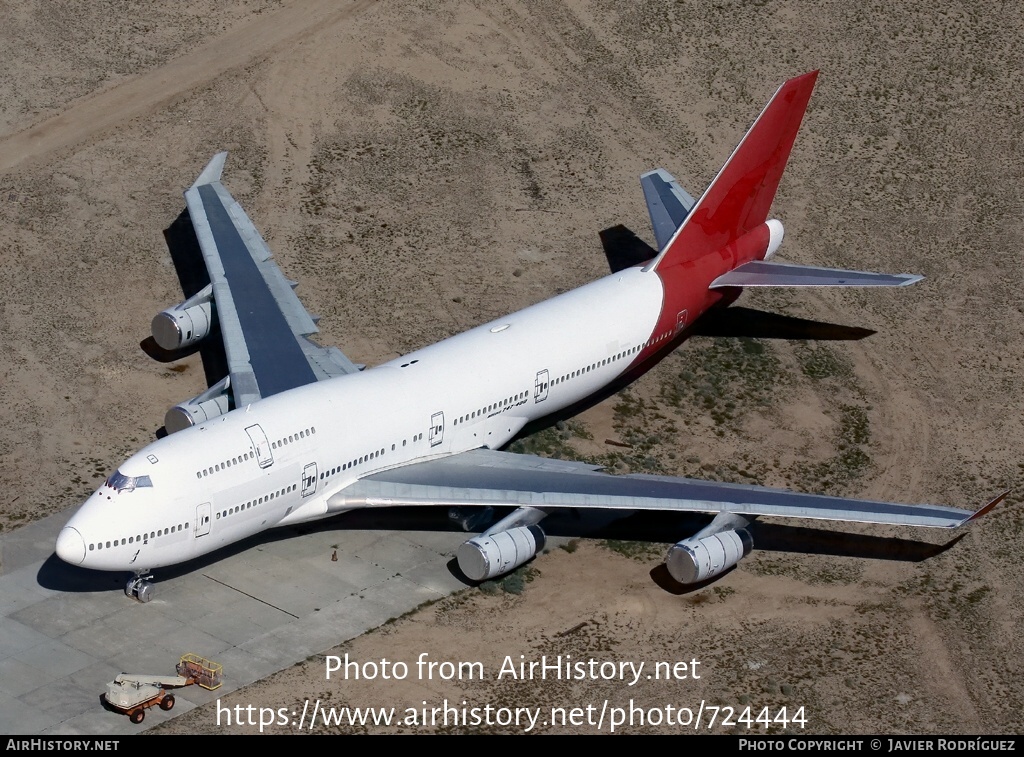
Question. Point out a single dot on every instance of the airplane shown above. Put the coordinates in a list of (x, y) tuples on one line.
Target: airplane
[(296, 432)]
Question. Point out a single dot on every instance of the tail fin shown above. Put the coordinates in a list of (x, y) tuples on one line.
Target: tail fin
[(739, 198)]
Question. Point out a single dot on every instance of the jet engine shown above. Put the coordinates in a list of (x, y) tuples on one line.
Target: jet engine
[(206, 406), (487, 556), (186, 323), (696, 559)]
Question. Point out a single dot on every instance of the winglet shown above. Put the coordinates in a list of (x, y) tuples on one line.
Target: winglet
[(985, 510), (212, 171)]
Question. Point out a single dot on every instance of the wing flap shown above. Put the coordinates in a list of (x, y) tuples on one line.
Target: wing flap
[(486, 477), (762, 273)]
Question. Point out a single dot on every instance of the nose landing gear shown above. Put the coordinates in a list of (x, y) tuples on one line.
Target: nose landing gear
[(140, 587)]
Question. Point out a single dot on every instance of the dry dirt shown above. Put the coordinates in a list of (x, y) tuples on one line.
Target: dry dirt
[(423, 167)]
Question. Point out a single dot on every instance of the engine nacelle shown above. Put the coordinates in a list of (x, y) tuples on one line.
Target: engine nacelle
[(206, 406), (693, 560), (180, 326), (192, 413), (484, 557)]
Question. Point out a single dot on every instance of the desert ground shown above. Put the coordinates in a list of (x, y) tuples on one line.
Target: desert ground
[(422, 167)]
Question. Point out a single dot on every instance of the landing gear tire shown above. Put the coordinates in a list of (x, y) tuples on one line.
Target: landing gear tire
[(137, 716), (167, 702), (139, 588)]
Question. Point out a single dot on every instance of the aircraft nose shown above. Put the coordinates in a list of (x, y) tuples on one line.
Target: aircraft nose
[(71, 546)]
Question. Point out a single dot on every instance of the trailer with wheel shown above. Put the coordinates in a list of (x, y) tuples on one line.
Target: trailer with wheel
[(133, 694)]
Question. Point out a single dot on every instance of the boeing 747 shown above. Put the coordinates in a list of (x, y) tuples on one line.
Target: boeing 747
[(296, 432)]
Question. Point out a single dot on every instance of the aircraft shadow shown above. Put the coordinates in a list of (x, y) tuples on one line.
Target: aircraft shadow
[(190, 267), (652, 527), (624, 249), (721, 322)]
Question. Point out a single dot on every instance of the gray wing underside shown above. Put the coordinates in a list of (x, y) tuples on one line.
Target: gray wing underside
[(487, 477), (263, 324)]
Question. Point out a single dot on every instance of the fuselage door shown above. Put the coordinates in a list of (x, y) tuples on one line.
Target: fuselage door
[(682, 318), (436, 429), (261, 445), (309, 479), (540, 387), (202, 519)]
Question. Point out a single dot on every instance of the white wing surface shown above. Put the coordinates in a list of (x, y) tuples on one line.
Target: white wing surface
[(487, 477)]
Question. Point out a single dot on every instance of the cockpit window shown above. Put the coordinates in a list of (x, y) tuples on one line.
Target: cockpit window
[(122, 483)]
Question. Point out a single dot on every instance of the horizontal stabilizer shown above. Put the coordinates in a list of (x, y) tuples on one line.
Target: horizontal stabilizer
[(760, 273), (668, 204)]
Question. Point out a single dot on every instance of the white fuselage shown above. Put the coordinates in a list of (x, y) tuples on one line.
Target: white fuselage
[(280, 460)]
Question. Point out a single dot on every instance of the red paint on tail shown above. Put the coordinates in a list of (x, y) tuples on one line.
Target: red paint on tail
[(726, 228), (739, 198)]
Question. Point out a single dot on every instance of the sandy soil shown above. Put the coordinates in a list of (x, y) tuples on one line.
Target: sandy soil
[(422, 167)]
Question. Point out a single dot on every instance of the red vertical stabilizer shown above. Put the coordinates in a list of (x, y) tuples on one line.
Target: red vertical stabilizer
[(739, 198)]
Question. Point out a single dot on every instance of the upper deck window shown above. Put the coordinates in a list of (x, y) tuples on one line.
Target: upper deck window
[(122, 483)]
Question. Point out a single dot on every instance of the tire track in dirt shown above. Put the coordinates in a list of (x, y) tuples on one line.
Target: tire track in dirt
[(941, 674), (901, 443), (91, 116)]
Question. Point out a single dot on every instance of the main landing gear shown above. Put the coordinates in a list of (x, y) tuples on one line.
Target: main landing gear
[(140, 587)]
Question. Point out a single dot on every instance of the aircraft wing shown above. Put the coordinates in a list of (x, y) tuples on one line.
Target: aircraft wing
[(668, 203), (488, 477), (262, 322)]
